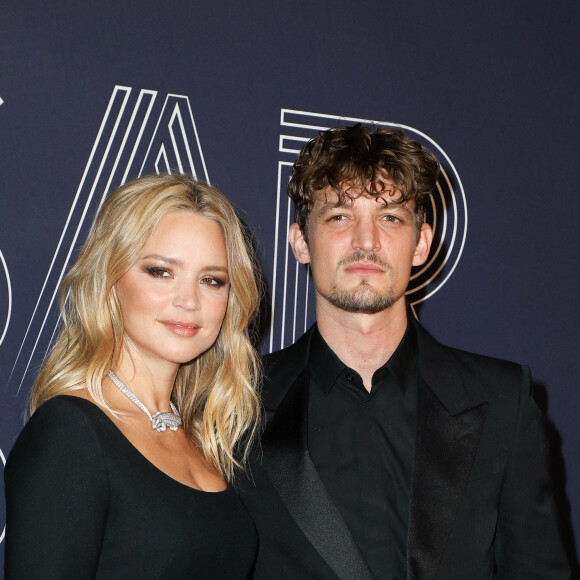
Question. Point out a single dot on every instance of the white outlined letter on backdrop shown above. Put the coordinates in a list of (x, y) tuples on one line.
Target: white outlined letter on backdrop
[(5, 298), (292, 295), (138, 135)]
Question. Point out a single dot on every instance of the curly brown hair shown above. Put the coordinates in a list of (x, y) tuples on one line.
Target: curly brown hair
[(356, 159)]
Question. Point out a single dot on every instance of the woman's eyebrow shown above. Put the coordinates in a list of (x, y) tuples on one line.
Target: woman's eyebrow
[(166, 259), (179, 263)]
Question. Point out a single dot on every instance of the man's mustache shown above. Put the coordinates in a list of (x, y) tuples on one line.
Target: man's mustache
[(362, 257)]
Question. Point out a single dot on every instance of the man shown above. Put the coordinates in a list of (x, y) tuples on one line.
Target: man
[(386, 455)]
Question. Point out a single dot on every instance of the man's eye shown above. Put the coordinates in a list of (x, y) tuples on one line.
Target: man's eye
[(337, 218), (158, 272), (392, 218)]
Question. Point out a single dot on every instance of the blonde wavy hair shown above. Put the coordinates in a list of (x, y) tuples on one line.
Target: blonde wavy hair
[(216, 392)]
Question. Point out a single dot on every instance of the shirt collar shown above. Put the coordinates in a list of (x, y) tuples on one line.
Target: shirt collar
[(326, 367)]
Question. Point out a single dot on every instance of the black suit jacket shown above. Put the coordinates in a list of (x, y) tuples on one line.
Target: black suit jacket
[(481, 497)]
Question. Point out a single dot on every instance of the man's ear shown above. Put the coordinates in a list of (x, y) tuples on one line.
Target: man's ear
[(423, 245), (298, 244)]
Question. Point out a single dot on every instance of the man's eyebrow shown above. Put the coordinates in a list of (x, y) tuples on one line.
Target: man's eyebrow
[(330, 205), (401, 205)]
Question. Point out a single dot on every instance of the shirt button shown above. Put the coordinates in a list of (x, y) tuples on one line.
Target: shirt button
[(349, 378)]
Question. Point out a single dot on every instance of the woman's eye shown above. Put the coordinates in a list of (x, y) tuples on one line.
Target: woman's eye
[(212, 281), (157, 272)]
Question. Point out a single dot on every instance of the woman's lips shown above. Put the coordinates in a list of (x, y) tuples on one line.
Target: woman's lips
[(181, 328)]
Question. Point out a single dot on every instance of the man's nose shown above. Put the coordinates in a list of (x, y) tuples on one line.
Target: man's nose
[(366, 235)]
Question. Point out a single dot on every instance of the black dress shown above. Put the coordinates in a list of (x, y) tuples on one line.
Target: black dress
[(82, 502)]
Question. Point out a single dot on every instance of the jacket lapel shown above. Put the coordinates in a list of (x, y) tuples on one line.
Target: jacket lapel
[(291, 471), (450, 422)]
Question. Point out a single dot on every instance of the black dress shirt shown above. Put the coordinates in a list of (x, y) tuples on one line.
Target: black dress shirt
[(362, 445)]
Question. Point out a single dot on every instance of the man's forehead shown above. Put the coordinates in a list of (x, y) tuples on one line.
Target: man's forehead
[(328, 195)]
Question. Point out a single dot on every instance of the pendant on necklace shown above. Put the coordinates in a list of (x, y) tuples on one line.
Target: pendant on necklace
[(159, 421)]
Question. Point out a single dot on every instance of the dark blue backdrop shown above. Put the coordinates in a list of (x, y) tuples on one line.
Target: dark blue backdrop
[(94, 93)]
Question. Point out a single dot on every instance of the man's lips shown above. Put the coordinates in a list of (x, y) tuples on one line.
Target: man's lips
[(363, 268), (181, 328)]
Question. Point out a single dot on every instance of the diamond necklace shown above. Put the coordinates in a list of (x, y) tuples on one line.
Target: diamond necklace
[(159, 421)]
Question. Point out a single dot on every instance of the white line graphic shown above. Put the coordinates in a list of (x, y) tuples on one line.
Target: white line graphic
[(121, 139), (75, 201), (177, 117), (153, 95), (162, 156), (3, 464), (274, 285), (9, 292), (127, 92)]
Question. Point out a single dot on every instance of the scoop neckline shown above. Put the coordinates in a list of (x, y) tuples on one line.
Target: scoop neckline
[(135, 450)]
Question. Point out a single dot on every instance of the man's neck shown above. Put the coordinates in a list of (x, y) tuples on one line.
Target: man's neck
[(363, 342)]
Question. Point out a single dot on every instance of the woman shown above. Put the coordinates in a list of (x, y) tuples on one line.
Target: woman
[(146, 403)]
